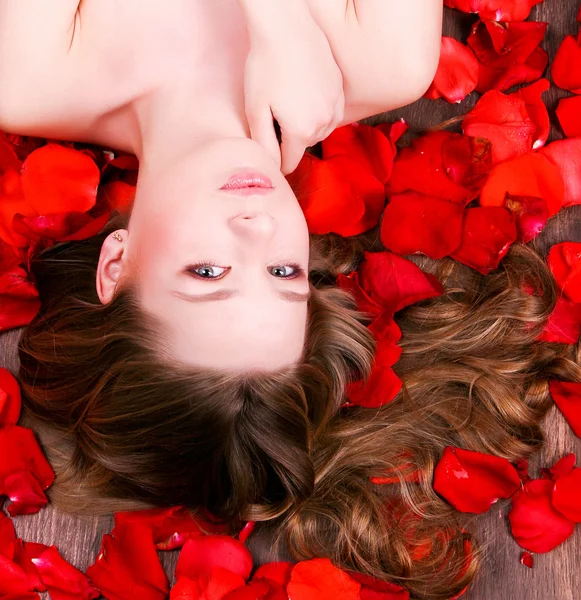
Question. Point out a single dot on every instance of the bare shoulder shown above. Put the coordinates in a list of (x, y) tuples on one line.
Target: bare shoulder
[(388, 50), (35, 36)]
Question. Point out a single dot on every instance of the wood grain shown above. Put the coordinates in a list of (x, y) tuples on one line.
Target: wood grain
[(555, 575)]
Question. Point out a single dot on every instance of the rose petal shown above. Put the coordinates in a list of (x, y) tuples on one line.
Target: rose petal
[(509, 53), (498, 10), (442, 164), (127, 566), (471, 481), (24, 471), (537, 110), (415, 223), (56, 179), (392, 282), (568, 111), (258, 590), (535, 524), (374, 589), (565, 263), (531, 215), (457, 73), (567, 495), (202, 554), (62, 580), (170, 527), (566, 156), (383, 384), (531, 175), (566, 67), (487, 234), (526, 559), (567, 396), (279, 572), (10, 403), (504, 120), (207, 587), (564, 323), (319, 579), (562, 467)]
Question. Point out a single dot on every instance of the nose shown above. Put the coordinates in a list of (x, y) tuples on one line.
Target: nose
[(256, 225)]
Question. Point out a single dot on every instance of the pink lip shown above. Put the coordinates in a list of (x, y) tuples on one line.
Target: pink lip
[(248, 183)]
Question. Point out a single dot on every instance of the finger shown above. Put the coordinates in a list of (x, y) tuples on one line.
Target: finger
[(262, 131), (292, 150)]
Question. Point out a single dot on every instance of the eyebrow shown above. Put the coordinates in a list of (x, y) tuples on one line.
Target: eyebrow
[(287, 295)]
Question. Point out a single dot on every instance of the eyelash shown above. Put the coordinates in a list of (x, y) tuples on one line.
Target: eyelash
[(190, 269)]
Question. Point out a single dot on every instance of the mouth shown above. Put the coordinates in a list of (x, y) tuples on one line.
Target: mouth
[(248, 183)]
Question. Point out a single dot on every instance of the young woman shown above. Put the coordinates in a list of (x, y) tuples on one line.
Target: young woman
[(186, 357)]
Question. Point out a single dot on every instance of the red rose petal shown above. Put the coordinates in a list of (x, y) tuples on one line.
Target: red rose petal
[(526, 559), (487, 235), (392, 282), (472, 481), (497, 10), (203, 554), (382, 385), (10, 403), (170, 527), (562, 467), (25, 493), (62, 580), (457, 73), (566, 156), (258, 590), (531, 215), (564, 323), (537, 110), (319, 579), (504, 120), (324, 191), (13, 579), (374, 589), (246, 531), (568, 111), (365, 304), (567, 397), (567, 495), (56, 179), (535, 524), (9, 161), (509, 53), (530, 175), (117, 195), (566, 67), (18, 298), (344, 191), (441, 164), (7, 536), (415, 223), (128, 567), (24, 471), (186, 589), (278, 572), (565, 263)]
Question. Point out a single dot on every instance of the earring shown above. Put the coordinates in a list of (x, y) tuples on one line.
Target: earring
[(117, 236)]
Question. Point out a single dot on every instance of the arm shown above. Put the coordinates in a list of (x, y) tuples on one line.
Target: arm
[(388, 50), (292, 76)]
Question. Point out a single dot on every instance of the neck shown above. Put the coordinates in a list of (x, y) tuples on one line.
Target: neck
[(170, 123)]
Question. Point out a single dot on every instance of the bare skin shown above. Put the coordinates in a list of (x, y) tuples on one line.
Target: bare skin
[(191, 88)]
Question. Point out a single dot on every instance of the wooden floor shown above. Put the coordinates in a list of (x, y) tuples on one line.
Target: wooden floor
[(556, 575)]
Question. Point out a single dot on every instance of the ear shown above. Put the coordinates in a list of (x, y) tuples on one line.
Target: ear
[(110, 267)]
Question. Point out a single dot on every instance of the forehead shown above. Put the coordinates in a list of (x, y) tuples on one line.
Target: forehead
[(241, 333)]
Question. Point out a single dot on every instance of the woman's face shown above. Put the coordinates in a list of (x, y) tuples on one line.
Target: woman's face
[(221, 248)]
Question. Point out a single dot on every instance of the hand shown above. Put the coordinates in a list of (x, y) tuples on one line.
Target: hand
[(291, 76)]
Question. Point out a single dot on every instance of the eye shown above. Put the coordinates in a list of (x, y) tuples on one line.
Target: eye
[(208, 271), (285, 271)]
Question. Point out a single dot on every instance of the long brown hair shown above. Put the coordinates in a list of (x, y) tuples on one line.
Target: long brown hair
[(121, 426)]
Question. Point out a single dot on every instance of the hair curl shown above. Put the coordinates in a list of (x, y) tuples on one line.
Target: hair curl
[(121, 424)]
